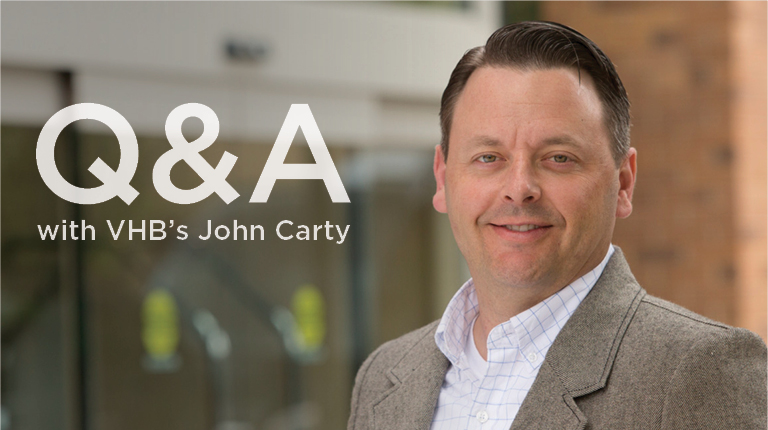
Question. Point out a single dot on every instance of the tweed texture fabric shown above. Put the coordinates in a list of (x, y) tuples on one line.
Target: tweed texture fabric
[(624, 360)]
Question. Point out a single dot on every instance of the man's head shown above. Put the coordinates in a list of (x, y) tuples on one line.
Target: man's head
[(539, 169), (541, 46)]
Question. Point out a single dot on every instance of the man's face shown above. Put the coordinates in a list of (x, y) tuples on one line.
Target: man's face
[(530, 185)]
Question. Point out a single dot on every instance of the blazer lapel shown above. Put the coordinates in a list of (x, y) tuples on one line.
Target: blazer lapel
[(581, 357), (418, 377), (549, 405)]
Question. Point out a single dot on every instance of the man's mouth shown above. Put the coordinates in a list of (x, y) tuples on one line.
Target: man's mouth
[(522, 228)]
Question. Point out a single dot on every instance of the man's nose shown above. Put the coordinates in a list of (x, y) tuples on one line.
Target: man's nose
[(521, 185)]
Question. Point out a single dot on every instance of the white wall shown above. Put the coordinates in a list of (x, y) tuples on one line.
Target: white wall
[(372, 73)]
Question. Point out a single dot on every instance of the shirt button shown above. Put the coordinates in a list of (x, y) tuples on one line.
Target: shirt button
[(482, 416), (532, 357)]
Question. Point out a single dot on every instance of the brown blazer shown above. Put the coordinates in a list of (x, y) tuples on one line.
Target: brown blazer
[(624, 360)]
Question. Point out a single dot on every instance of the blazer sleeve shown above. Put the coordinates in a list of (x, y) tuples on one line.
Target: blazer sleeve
[(720, 384)]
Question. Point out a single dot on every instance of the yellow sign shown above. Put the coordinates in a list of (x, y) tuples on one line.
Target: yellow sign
[(309, 311), (160, 320)]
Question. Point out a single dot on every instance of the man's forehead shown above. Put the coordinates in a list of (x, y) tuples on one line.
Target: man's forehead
[(535, 82), (564, 109)]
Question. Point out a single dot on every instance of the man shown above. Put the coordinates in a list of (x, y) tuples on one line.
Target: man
[(552, 331)]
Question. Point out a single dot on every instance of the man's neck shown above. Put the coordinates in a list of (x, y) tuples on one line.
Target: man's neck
[(498, 302), (495, 308)]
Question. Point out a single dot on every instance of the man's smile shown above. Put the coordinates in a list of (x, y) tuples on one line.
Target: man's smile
[(521, 232), (522, 228)]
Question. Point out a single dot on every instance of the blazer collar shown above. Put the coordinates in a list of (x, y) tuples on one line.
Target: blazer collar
[(578, 362), (581, 357)]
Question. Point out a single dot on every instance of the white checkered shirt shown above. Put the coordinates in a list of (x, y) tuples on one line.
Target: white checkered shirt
[(487, 395)]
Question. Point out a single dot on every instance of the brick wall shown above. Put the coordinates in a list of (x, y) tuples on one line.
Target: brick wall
[(748, 135), (697, 236)]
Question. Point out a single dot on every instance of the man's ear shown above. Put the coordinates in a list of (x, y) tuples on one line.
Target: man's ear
[(627, 175), (438, 201)]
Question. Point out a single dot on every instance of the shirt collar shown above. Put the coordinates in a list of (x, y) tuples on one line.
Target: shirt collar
[(532, 330)]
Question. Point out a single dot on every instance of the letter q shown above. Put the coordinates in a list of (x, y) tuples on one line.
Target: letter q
[(115, 183)]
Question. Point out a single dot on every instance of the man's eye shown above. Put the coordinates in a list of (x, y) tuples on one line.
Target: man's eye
[(560, 158), (488, 158)]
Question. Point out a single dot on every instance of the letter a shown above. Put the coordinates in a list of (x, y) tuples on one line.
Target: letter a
[(299, 115)]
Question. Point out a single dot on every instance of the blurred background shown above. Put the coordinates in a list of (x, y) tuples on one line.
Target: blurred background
[(241, 335)]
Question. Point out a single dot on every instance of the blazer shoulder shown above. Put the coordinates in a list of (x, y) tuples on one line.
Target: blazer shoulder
[(375, 377), (706, 356), (719, 383), (390, 353), (678, 320), (409, 340), (678, 369), (662, 337)]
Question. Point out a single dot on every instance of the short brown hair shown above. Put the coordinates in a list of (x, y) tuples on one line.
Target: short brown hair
[(535, 45)]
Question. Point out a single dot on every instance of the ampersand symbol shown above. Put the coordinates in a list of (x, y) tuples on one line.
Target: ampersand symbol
[(214, 179)]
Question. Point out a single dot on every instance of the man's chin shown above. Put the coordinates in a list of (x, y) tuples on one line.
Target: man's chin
[(523, 275)]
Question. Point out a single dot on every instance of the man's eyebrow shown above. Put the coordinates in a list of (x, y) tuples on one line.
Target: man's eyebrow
[(561, 140), (487, 141), (483, 141)]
